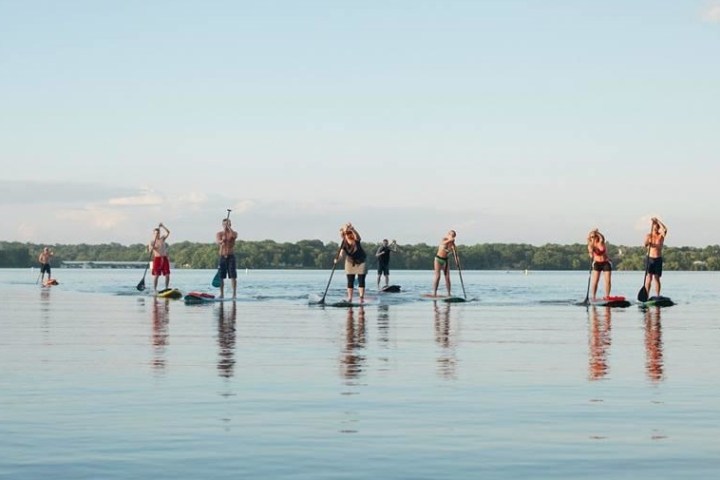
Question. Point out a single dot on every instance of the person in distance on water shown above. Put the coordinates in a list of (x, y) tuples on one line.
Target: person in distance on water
[(654, 242), (383, 259), (159, 249), (354, 260), (441, 263), (597, 249), (225, 239), (44, 259)]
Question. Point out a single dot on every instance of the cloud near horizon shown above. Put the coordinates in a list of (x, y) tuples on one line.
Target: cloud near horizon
[(711, 13)]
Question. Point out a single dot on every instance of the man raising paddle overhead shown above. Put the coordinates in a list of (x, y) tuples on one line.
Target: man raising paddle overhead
[(160, 259), (225, 239), (654, 242)]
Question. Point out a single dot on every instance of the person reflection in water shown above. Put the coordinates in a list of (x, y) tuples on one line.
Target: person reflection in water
[(653, 345), (599, 341), (447, 362), (160, 331), (227, 316), (352, 361)]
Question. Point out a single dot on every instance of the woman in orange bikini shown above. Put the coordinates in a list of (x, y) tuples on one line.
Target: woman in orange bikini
[(597, 249)]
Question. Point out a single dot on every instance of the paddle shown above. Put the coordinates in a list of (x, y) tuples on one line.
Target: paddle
[(643, 293), (457, 262), (335, 260), (217, 281), (587, 292), (141, 284)]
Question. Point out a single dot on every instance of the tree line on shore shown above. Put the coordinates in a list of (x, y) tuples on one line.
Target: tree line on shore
[(314, 254)]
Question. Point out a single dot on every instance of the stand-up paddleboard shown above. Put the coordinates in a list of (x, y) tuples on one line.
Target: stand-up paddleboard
[(173, 293), (657, 301), (346, 304), (390, 289), (50, 283), (443, 298), (194, 298), (612, 301)]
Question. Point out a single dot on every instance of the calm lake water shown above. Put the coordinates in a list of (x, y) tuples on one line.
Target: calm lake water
[(99, 381)]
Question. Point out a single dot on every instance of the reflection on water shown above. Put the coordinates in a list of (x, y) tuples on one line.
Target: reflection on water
[(653, 345), (383, 322), (445, 338), (226, 338), (599, 341), (352, 364), (352, 361), (160, 332)]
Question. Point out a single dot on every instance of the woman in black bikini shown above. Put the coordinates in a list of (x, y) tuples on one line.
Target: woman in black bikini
[(597, 249), (447, 245)]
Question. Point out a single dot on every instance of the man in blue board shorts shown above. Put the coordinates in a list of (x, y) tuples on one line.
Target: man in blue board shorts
[(654, 242), (227, 266)]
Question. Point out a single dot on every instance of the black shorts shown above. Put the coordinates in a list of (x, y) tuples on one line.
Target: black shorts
[(383, 269), (228, 267), (45, 268), (602, 266), (654, 266)]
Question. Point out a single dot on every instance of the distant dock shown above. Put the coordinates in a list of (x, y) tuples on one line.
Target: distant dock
[(102, 264)]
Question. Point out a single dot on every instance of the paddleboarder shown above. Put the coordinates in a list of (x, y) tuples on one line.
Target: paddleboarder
[(383, 259), (160, 260), (44, 259), (441, 263), (354, 260), (597, 249), (225, 239), (654, 242)]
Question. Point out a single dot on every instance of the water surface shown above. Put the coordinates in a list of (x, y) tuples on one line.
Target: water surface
[(100, 381)]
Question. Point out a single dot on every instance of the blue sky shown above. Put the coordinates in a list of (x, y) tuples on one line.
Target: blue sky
[(510, 121)]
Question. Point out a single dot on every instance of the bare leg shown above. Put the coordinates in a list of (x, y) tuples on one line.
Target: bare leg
[(155, 282), (608, 283), (436, 279), (361, 292), (387, 280), (222, 288), (167, 281), (447, 280), (657, 285), (378, 281), (233, 281), (349, 294), (594, 277)]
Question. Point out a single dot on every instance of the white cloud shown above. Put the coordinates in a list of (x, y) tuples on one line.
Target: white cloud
[(93, 216), (143, 200), (712, 13)]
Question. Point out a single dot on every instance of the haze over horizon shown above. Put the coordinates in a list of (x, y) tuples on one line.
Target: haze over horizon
[(511, 122)]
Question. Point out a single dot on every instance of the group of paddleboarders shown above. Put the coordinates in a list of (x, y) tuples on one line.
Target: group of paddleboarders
[(601, 263), (227, 265), (355, 259)]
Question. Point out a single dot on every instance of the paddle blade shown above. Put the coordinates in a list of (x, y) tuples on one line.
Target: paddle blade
[(216, 282), (642, 295), (141, 285)]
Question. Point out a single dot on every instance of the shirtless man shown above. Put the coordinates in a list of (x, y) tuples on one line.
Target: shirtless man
[(44, 259), (225, 239), (159, 249), (654, 242), (442, 261)]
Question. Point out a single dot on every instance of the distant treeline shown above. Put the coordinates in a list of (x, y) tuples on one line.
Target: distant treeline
[(314, 254)]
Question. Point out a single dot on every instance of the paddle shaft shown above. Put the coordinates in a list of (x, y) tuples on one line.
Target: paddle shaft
[(587, 292), (457, 262), (335, 260)]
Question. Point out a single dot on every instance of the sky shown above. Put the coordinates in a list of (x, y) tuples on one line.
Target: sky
[(509, 121)]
